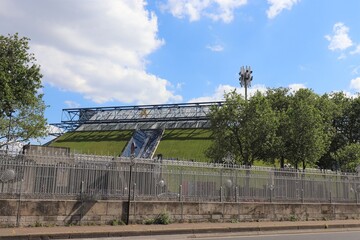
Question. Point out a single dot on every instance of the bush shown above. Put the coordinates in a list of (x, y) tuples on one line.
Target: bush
[(116, 222), (149, 221), (163, 218)]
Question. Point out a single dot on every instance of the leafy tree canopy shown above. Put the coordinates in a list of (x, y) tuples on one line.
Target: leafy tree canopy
[(278, 125), (306, 132), (348, 157), (243, 130), (21, 105)]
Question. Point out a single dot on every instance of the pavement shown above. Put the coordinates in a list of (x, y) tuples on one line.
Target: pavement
[(62, 232)]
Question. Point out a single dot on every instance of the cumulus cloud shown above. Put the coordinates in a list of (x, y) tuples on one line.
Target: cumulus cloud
[(96, 48), (355, 69), (355, 84), (356, 51), (215, 48), (217, 10), (296, 87), (72, 104), (277, 6), (340, 39), (219, 92)]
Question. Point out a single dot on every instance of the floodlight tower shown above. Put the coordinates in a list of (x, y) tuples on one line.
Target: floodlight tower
[(245, 78)]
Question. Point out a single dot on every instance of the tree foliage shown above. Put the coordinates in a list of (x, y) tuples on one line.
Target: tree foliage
[(306, 132), (279, 99), (294, 127), (348, 157), (243, 130), (21, 104)]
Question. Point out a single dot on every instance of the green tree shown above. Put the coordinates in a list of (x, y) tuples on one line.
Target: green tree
[(243, 129), (338, 106), (348, 157), (279, 100), (353, 133), (306, 136), (21, 104)]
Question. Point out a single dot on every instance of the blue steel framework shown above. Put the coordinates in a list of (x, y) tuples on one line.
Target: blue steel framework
[(181, 115)]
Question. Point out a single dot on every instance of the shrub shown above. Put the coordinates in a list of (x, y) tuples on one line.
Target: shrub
[(163, 218), (116, 222)]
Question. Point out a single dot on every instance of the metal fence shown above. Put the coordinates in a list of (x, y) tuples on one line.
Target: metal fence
[(106, 177)]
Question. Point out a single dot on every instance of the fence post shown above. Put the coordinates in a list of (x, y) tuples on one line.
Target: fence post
[(19, 205), (271, 187), (330, 197), (82, 189), (236, 194), (180, 193), (134, 191), (302, 195), (221, 194)]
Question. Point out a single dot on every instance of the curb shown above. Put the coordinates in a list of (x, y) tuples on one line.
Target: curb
[(133, 233)]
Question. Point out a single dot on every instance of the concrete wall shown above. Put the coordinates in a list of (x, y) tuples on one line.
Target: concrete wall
[(63, 212)]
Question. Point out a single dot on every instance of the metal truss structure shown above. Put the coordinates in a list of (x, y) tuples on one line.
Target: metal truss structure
[(183, 115)]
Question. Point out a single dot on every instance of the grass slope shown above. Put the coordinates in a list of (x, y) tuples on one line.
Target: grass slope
[(94, 142), (185, 144)]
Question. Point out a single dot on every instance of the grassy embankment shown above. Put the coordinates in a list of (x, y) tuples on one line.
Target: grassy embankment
[(94, 142), (185, 144)]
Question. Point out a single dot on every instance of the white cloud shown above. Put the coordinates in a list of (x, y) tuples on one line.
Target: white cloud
[(218, 95), (342, 56), (355, 70), (355, 84), (96, 48), (51, 129), (277, 6), (219, 92), (340, 39), (217, 10), (302, 67), (356, 51), (215, 48), (296, 87), (72, 104)]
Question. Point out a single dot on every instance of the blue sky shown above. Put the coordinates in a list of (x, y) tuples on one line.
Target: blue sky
[(127, 52)]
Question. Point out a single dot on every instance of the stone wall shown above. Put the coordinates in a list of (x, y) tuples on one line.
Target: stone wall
[(67, 212)]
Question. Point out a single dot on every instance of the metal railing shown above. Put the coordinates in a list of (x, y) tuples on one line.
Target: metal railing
[(107, 177)]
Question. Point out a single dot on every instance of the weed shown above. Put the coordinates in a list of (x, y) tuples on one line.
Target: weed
[(293, 218), (38, 224), (149, 221), (234, 221), (162, 218), (116, 222)]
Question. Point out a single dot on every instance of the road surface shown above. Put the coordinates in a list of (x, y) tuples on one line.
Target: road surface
[(353, 234)]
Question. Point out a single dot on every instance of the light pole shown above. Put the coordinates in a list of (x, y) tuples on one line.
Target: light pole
[(245, 78)]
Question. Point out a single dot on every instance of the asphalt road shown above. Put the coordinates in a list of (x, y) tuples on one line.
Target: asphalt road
[(319, 235)]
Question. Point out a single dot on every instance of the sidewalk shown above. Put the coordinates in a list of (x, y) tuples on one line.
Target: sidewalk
[(176, 228)]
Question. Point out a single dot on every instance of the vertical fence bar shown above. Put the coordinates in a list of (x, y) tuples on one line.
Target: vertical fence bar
[(134, 192), (221, 194), (236, 194)]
